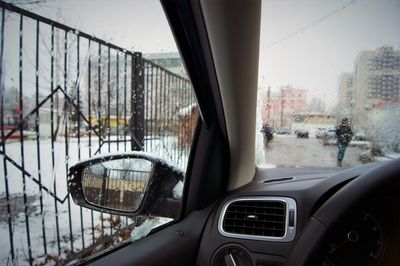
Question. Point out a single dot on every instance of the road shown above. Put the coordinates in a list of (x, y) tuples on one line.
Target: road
[(287, 151)]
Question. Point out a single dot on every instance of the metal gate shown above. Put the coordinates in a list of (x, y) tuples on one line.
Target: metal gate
[(66, 96)]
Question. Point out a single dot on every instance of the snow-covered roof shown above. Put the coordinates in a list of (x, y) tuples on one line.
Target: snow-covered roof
[(185, 111)]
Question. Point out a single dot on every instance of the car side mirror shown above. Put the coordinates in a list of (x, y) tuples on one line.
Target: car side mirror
[(127, 184)]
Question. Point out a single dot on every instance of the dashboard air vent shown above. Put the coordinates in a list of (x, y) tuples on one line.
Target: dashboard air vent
[(255, 218)]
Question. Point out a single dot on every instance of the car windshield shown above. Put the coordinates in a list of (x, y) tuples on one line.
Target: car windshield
[(329, 72)]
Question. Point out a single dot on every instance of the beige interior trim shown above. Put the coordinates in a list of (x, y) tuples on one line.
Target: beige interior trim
[(234, 33)]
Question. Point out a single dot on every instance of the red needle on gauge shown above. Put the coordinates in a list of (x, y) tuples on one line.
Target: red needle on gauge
[(352, 236), (340, 246)]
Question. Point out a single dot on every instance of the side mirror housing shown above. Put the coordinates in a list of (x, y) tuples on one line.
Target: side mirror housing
[(127, 184)]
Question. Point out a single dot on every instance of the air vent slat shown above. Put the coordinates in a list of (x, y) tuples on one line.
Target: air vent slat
[(271, 207), (227, 220), (256, 218), (256, 228), (258, 213)]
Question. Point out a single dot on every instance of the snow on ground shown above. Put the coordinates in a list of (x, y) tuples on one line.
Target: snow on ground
[(393, 155), (353, 143), (387, 157), (54, 178), (289, 151)]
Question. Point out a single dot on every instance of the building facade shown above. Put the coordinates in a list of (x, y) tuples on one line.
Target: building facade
[(376, 80), (346, 91), (171, 61), (280, 109)]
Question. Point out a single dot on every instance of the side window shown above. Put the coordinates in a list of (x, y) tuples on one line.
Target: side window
[(79, 81)]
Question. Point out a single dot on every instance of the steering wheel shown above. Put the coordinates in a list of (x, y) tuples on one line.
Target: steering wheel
[(308, 249)]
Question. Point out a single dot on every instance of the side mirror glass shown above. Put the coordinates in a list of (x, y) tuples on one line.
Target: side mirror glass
[(118, 184), (129, 184)]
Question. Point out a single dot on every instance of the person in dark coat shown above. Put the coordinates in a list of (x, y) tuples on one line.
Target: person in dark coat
[(267, 133), (343, 137)]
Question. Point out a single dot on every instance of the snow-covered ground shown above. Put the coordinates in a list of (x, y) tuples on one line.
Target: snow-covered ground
[(54, 178), (387, 157), (353, 143), (289, 151)]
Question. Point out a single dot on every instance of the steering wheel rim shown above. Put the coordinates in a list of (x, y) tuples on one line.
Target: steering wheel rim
[(306, 252)]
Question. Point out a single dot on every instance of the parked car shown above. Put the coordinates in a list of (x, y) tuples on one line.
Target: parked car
[(282, 131), (360, 136), (328, 135), (302, 133), (320, 132)]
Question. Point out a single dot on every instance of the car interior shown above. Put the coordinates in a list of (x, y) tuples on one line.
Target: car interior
[(234, 213)]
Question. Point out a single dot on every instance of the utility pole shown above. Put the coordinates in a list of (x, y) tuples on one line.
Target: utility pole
[(269, 104), (282, 107)]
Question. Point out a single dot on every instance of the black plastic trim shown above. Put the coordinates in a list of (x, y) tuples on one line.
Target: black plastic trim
[(176, 244), (207, 171)]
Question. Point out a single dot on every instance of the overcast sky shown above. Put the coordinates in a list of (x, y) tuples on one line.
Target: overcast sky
[(133, 24), (323, 39), (305, 43)]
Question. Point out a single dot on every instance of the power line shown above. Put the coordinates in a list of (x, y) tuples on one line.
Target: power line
[(306, 27)]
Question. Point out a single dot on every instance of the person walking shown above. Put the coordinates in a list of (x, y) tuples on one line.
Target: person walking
[(343, 137), (267, 133)]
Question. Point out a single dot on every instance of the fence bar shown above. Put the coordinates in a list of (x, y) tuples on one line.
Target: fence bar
[(125, 113), (125, 84), (180, 90), (137, 112), (99, 97), (125, 103), (89, 96), (146, 104), (131, 119), (37, 130), (125, 108), (166, 107), (157, 95), (161, 101), (53, 139), (117, 86), (78, 112), (173, 99), (169, 111), (5, 169), (90, 120), (21, 131), (108, 98), (109, 111), (78, 95), (100, 123), (151, 106), (67, 112)]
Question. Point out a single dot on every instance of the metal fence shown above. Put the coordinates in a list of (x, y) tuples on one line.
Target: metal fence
[(66, 96)]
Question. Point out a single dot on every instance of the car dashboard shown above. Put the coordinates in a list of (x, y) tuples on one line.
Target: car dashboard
[(260, 223)]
